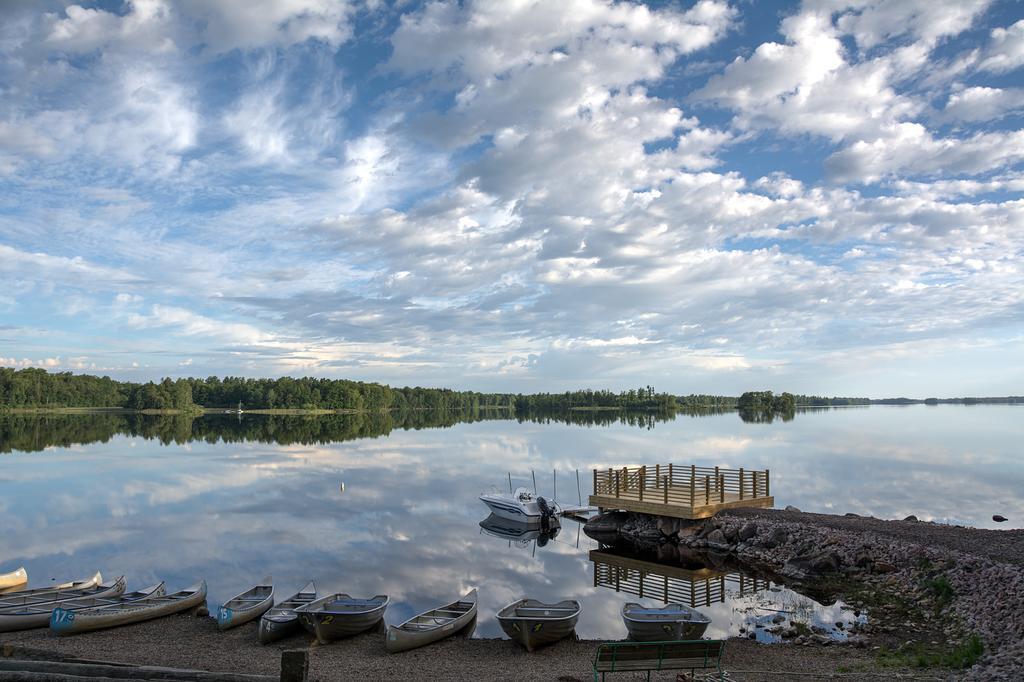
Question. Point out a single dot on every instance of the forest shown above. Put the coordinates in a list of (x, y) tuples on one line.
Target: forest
[(38, 388)]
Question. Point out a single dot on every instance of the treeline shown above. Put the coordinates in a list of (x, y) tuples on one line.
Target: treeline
[(37, 388), (1005, 400)]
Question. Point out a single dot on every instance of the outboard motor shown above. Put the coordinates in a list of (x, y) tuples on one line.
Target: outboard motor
[(547, 513)]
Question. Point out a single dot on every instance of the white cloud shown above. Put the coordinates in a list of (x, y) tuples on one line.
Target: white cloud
[(1005, 52), (872, 23), (143, 26), (983, 104), (231, 24), (910, 148), (188, 323)]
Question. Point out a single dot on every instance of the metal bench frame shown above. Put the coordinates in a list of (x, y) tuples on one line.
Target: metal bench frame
[(658, 659)]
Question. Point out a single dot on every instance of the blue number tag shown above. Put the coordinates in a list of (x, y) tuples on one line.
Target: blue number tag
[(61, 619), (224, 614)]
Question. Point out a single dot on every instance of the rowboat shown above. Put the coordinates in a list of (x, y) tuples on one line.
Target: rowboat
[(68, 622), (670, 622), (72, 585), (431, 626), (34, 612), (531, 623), (15, 580), (281, 620), (246, 606), (339, 615)]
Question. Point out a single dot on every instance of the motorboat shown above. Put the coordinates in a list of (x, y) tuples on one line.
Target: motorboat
[(522, 506)]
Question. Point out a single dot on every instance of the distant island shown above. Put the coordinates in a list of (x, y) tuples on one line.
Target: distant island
[(38, 389)]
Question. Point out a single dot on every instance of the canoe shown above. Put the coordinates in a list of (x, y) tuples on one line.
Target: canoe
[(431, 626), (670, 622), (281, 620), (532, 623), (34, 612), (339, 615), (15, 580), (68, 622), (73, 606), (246, 606), (51, 589)]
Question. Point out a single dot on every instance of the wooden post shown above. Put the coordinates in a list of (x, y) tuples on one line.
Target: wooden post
[(754, 474), (643, 480), (670, 479), (721, 487), (692, 491), (767, 490), (666, 489), (596, 491), (707, 490), (717, 477), (657, 475), (618, 485), (294, 665), (741, 483), (625, 478)]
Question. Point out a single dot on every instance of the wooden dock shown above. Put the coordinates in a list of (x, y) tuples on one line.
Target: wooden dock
[(682, 492), (648, 579)]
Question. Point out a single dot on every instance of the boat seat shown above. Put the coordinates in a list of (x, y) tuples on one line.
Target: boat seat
[(530, 610)]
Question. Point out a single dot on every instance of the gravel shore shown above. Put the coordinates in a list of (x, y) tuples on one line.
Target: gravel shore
[(195, 643), (894, 569)]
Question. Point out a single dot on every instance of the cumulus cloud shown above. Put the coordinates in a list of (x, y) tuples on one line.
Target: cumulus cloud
[(1005, 52), (482, 192), (983, 104)]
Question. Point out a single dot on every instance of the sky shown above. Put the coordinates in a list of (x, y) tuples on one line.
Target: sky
[(822, 197)]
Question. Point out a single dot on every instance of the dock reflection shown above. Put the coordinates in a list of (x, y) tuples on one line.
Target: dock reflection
[(695, 587)]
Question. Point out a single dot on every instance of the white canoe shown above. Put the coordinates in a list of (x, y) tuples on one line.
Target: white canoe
[(246, 606), (531, 623), (281, 620), (68, 622), (15, 580), (71, 585), (34, 612), (431, 626)]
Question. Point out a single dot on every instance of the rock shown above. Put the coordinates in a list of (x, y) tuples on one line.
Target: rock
[(911, 518), (840, 625), (998, 518), (852, 515), (752, 635), (748, 531), (779, 536), (884, 567), (716, 540), (812, 565), (778, 618), (791, 508), (730, 534)]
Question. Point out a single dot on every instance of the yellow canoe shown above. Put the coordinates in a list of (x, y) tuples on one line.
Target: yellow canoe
[(15, 580)]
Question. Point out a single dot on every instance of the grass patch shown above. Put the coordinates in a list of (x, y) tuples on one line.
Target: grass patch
[(962, 656), (940, 590)]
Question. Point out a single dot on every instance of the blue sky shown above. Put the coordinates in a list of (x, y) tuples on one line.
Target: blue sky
[(708, 197)]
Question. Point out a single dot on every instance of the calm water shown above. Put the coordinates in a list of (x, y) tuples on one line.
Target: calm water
[(156, 504)]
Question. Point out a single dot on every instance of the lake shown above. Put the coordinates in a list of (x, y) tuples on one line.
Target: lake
[(372, 504)]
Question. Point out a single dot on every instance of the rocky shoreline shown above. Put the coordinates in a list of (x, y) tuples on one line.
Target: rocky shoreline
[(939, 597)]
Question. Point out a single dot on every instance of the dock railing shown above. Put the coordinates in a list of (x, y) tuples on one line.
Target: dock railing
[(682, 485)]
